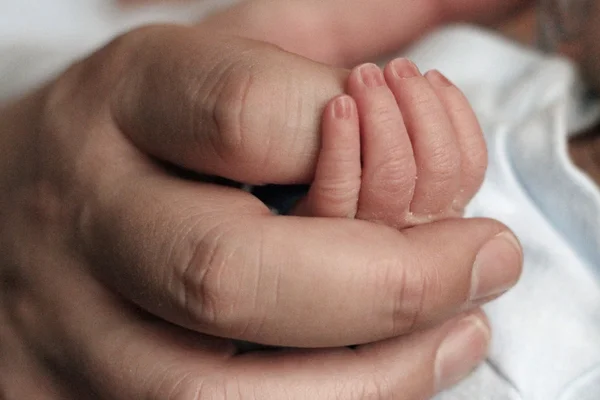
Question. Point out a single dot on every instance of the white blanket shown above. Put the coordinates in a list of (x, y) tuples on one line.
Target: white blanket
[(547, 330)]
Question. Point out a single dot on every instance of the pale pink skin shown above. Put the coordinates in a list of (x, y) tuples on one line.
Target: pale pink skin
[(401, 149)]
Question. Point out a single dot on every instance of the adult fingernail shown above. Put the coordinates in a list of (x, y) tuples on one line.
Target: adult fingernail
[(497, 267), (371, 75), (403, 68), (463, 349)]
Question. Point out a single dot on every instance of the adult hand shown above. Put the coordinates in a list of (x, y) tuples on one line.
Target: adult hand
[(348, 32), (96, 237)]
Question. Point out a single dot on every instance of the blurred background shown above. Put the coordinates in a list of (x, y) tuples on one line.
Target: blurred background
[(578, 43)]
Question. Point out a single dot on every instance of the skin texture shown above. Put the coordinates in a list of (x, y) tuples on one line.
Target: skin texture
[(402, 149), (106, 256)]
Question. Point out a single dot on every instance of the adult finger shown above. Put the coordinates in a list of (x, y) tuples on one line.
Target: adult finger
[(96, 346), (347, 32), (214, 260), (222, 105), (408, 368), (125, 355)]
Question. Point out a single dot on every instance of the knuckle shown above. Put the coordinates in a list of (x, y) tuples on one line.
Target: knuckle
[(221, 284), (409, 291), (408, 304), (233, 109), (230, 113), (209, 296), (241, 97), (338, 192)]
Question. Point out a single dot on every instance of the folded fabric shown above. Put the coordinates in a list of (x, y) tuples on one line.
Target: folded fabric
[(546, 342)]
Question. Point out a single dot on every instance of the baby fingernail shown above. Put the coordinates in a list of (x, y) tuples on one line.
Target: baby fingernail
[(463, 350), (436, 78), (403, 68), (497, 267), (371, 75), (343, 107)]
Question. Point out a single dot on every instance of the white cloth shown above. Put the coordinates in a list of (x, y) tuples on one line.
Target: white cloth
[(547, 330)]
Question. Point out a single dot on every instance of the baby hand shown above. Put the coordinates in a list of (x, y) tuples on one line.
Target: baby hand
[(401, 149)]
